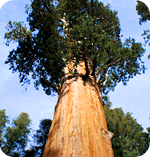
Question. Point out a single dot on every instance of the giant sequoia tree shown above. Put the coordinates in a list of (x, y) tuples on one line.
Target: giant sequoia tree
[(74, 48)]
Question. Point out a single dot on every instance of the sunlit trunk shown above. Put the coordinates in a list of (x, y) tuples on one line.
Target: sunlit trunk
[(79, 126)]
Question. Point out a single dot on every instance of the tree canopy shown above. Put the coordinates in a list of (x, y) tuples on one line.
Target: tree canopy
[(15, 135), (62, 30), (129, 138), (144, 13)]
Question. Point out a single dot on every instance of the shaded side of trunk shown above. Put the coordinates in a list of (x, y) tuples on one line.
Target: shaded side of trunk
[(79, 126)]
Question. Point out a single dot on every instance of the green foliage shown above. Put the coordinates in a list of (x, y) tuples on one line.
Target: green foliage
[(129, 138), (16, 135), (90, 34), (40, 136), (143, 11), (3, 120), (18, 32)]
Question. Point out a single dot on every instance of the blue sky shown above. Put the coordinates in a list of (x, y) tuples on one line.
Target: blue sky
[(133, 98)]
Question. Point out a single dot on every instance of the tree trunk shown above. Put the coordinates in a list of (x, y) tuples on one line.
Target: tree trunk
[(79, 126)]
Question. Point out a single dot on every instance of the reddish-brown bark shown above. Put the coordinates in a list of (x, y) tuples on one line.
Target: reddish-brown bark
[(79, 126)]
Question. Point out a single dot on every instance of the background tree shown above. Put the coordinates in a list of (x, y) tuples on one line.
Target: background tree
[(3, 120), (40, 136), (144, 13), (39, 139), (129, 138), (16, 135)]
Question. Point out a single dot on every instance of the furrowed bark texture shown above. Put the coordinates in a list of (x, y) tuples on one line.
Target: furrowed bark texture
[(79, 126)]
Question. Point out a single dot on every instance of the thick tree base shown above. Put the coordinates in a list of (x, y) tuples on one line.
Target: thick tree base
[(79, 126)]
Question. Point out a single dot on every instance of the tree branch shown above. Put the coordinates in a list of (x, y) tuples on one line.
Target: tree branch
[(98, 71), (106, 80)]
